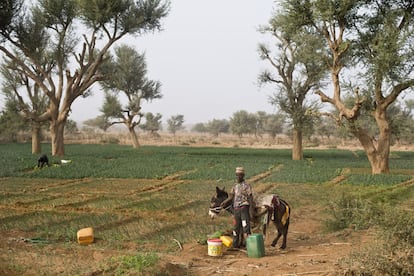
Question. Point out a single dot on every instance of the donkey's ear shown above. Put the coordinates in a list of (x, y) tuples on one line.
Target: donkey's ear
[(218, 189), (224, 188)]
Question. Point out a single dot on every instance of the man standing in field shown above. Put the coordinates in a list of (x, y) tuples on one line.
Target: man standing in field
[(242, 196)]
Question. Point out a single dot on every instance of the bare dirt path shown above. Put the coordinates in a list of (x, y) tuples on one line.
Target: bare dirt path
[(310, 251)]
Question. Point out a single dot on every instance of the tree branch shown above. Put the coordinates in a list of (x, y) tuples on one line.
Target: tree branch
[(324, 97), (24, 69)]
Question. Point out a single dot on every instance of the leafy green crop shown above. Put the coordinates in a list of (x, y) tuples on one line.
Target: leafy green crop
[(192, 163)]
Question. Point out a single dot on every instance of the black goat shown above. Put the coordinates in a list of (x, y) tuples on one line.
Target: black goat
[(43, 160)]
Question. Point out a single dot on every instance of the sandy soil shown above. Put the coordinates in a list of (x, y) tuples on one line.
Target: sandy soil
[(310, 251)]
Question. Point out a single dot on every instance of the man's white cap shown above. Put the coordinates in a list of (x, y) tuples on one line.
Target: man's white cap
[(240, 170)]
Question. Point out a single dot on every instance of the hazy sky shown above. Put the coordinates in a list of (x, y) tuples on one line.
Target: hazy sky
[(206, 59)]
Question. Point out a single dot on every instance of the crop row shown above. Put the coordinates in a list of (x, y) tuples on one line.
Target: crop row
[(191, 163)]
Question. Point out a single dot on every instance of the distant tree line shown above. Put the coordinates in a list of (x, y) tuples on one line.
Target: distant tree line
[(241, 124)]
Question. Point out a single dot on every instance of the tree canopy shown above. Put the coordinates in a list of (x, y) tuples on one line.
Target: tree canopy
[(152, 123), (44, 45), (370, 43), (127, 77), (296, 69)]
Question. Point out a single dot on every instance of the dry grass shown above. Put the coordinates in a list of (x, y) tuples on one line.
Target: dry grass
[(223, 140)]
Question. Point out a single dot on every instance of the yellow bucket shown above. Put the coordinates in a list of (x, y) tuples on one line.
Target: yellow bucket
[(227, 241), (215, 247)]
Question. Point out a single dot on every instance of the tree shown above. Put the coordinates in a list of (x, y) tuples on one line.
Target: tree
[(71, 126), (403, 122), (199, 127), (8, 10), (10, 124), (325, 127), (296, 67), (374, 37), (242, 122), (97, 122), (49, 31), (216, 126), (32, 109), (273, 124), (261, 118), (175, 123), (400, 121), (152, 123), (129, 79)]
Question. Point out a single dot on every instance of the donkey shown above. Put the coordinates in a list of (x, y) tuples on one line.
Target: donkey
[(267, 208)]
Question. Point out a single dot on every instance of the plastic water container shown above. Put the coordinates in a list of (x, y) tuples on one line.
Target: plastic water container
[(85, 236), (255, 246), (215, 247), (226, 240)]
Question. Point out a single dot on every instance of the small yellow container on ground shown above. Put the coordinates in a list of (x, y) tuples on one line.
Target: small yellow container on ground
[(215, 247), (85, 236), (227, 241)]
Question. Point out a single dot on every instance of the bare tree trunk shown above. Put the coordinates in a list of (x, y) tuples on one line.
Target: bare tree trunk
[(58, 119), (36, 146), (134, 137), (297, 150), (57, 131), (377, 156), (377, 152), (381, 164)]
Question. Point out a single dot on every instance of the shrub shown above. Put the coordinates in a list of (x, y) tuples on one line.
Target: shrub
[(142, 262), (377, 179), (351, 211), (394, 254), (398, 227), (110, 140)]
